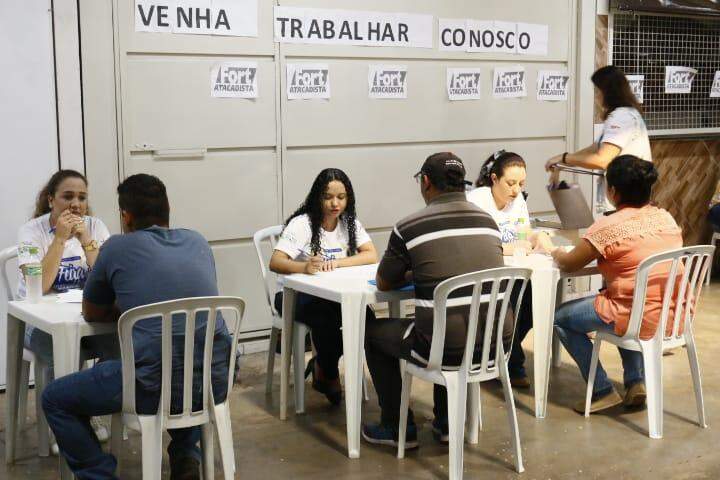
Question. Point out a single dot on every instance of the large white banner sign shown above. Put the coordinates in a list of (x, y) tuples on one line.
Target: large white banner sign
[(552, 85), (234, 80), (509, 82), (487, 36), (679, 79), (463, 83), (236, 18), (715, 89), (387, 81), (308, 81), (348, 27), (637, 85)]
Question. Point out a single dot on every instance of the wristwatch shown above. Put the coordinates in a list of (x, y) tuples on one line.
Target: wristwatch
[(91, 246)]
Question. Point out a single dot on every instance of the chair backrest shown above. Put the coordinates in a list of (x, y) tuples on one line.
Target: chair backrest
[(188, 308), (500, 282), (6, 255), (270, 234), (687, 268)]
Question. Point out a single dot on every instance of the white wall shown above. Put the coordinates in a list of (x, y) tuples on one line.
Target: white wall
[(261, 155), (28, 131)]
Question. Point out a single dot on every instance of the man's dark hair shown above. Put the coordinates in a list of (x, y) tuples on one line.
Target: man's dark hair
[(144, 196), (445, 180), (632, 179)]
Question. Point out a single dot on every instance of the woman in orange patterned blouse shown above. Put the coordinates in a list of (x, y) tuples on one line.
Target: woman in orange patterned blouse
[(619, 242)]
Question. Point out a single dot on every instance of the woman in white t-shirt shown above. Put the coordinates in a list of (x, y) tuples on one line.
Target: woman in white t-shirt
[(68, 240), (322, 235), (624, 131), (500, 193)]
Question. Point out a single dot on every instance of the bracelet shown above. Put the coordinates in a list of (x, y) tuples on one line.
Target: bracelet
[(564, 158)]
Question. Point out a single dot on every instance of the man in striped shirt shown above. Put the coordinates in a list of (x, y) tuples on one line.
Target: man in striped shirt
[(449, 237)]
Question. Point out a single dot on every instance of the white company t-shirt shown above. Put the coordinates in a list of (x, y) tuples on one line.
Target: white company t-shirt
[(508, 217), (73, 265), (295, 239), (624, 128)]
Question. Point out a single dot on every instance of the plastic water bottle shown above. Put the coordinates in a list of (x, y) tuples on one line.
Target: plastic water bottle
[(33, 273), (520, 247)]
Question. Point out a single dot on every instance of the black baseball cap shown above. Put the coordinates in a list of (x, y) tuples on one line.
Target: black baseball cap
[(445, 169)]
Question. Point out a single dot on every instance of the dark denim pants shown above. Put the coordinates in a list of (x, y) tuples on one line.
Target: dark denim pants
[(70, 401), (573, 321)]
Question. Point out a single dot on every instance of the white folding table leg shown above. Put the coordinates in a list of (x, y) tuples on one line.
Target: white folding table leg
[(41, 379), (353, 334), (543, 306), (299, 333), (15, 336), (286, 348), (24, 387), (66, 356)]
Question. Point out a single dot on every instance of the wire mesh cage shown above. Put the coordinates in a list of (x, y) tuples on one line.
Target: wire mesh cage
[(646, 44)]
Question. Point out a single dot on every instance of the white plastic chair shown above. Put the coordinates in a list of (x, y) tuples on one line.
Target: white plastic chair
[(41, 369), (688, 267), (713, 240), (271, 235), (152, 426), (456, 379), (300, 330)]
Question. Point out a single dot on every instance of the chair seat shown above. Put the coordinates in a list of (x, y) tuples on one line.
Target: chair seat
[(635, 345)]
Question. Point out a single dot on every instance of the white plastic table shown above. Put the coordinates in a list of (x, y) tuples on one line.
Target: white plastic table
[(64, 321), (545, 279), (350, 287)]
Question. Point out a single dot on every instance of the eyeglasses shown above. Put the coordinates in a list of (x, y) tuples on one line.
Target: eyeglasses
[(418, 176)]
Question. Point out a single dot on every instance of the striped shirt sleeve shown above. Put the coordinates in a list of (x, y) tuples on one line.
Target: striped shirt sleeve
[(396, 260)]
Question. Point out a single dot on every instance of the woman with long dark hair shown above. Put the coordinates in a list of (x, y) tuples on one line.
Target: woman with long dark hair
[(323, 234), (624, 130)]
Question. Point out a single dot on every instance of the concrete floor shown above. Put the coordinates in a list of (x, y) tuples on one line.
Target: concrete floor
[(564, 445)]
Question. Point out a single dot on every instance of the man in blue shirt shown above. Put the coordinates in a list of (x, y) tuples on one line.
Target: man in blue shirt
[(150, 263)]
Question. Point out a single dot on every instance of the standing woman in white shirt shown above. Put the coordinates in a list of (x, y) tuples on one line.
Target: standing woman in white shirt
[(67, 239), (624, 130), (500, 193), (322, 235)]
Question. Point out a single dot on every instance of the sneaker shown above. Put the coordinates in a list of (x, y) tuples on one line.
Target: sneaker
[(381, 435), (184, 468), (635, 395), (440, 430), (608, 400)]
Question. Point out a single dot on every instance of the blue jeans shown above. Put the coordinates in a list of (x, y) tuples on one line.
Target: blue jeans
[(573, 321), (70, 401)]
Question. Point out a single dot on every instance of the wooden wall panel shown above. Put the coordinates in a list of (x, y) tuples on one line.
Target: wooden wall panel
[(601, 58), (689, 173)]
